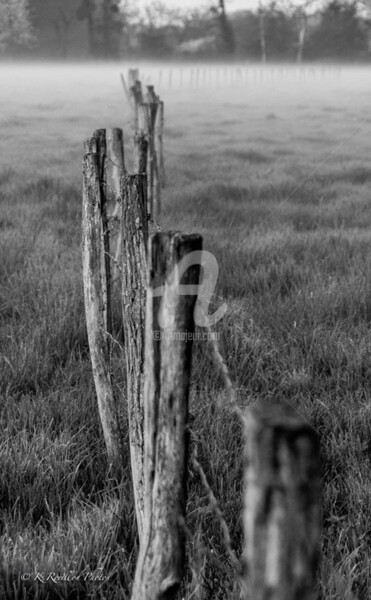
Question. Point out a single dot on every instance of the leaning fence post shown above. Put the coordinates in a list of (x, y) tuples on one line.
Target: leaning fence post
[(92, 253), (134, 227), (127, 93), (167, 374), (282, 511)]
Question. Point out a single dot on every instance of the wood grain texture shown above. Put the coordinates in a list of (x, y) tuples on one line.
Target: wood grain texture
[(134, 227), (168, 353), (92, 251)]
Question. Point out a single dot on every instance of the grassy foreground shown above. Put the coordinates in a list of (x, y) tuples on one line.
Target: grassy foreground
[(276, 175)]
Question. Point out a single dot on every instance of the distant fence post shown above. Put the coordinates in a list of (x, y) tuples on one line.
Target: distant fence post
[(282, 511), (168, 351), (134, 227), (96, 298)]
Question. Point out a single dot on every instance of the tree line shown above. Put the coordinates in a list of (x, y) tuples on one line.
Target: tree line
[(107, 29)]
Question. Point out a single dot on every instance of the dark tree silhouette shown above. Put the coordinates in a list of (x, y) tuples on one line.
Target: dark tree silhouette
[(340, 35), (226, 30), (104, 26)]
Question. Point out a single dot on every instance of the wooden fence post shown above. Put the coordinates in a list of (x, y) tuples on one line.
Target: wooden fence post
[(153, 107), (167, 373), (126, 91), (114, 171), (282, 512), (160, 144), (134, 226), (142, 153), (95, 309), (100, 136), (145, 127)]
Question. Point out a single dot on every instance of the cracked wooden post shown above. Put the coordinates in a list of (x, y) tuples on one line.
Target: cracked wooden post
[(282, 510), (144, 128), (168, 352), (115, 170), (100, 136), (134, 226), (95, 311)]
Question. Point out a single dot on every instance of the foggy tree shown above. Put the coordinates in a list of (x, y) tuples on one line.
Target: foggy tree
[(275, 32), (299, 17), (56, 17), (15, 25), (340, 34), (104, 26), (160, 29), (225, 26)]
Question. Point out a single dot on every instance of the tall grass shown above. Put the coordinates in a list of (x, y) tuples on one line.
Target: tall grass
[(290, 225)]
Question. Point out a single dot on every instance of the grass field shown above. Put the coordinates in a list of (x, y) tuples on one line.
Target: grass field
[(275, 173)]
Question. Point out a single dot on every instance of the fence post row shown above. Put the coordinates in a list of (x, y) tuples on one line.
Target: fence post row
[(168, 352), (149, 124), (282, 467), (282, 511)]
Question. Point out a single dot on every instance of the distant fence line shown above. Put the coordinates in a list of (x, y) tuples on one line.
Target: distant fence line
[(282, 511), (211, 76)]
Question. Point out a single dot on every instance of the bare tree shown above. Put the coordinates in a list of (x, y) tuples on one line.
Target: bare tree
[(104, 25), (299, 15)]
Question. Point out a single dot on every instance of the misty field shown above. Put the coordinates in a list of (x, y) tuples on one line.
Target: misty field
[(274, 170)]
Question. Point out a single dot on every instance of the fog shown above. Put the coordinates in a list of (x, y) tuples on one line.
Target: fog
[(47, 110)]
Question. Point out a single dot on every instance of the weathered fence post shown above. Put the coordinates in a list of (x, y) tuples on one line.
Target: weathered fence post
[(93, 254), (115, 169), (142, 152), (134, 227), (160, 144), (167, 373), (153, 107), (282, 512), (100, 137)]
